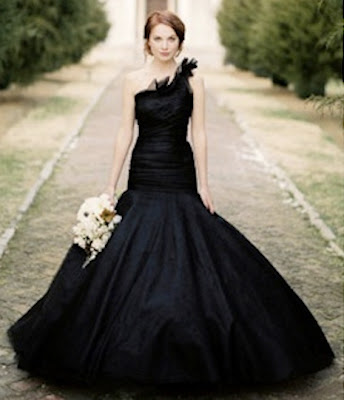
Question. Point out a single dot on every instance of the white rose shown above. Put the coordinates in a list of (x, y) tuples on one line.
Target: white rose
[(117, 219), (91, 225), (106, 236), (102, 229), (79, 241), (97, 244)]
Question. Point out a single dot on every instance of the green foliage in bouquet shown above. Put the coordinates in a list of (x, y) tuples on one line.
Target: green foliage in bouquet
[(39, 36)]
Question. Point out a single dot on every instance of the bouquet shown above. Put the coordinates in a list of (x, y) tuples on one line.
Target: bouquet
[(96, 219)]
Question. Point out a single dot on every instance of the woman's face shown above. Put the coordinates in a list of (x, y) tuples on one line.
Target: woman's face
[(163, 42)]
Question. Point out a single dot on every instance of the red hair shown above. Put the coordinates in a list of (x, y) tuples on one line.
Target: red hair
[(163, 17)]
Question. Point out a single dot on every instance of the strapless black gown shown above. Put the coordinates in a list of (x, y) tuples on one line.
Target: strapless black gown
[(178, 295)]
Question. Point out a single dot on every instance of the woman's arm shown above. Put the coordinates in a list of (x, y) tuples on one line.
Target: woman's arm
[(199, 139), (124, 135)]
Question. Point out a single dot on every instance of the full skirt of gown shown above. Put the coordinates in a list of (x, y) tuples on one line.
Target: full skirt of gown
[(178, 295)]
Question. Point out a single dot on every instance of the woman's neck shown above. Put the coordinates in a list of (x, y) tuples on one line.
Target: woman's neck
[(164, 68)]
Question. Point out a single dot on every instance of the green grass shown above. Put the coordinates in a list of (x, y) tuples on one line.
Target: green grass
[(325, 191), (243, 90), (54, 106), (18, 171), (284, 114), (329, 138), (317, 156), (11, 164)]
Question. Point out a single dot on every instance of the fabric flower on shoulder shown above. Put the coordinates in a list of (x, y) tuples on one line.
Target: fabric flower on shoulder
[(184, 68), (187, 66)]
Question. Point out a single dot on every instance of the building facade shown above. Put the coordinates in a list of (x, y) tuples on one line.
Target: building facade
[(201, 37)]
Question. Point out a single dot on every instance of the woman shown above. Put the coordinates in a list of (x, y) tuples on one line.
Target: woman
[(178, 295)]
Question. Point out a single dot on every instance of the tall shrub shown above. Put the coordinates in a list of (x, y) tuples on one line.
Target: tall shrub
[(267, 41), (49, 34), (235, 18), (290, 39), (10, 33), (334, 42)]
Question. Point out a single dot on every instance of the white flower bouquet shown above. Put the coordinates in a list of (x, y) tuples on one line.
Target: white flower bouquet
[(96, 219)]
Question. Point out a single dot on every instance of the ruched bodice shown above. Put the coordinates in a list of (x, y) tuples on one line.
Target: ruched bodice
[(162, 158)]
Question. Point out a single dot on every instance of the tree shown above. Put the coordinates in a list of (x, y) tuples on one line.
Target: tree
[(48, 34), (334, 41), (289, 39), (266, 42), (235, 18), (10, 33)]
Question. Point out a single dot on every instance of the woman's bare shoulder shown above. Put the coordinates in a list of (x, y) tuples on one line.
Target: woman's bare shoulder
[(135, 74), (196, 81), (134, 79)]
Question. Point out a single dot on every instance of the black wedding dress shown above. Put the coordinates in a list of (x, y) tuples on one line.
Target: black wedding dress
[(178, 295)]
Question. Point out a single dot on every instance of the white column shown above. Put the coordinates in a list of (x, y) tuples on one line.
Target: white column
[(121, 38), (201, 37)]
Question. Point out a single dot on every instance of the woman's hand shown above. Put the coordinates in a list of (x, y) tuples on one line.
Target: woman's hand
[(206, 198), (110, 191)]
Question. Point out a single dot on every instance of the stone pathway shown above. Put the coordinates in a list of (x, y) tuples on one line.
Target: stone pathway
[(244, 193)]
